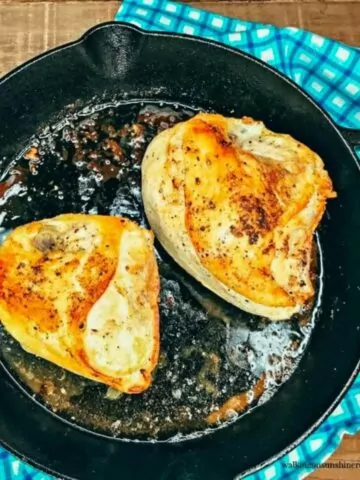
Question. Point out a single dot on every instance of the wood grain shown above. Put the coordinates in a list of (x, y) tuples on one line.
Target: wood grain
[(29, 27), (186, 1)]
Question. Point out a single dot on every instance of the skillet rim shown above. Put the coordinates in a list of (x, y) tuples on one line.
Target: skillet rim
[(195, 38), (341, 132)]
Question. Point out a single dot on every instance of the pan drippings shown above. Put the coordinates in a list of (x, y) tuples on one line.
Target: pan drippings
[(216, 361)]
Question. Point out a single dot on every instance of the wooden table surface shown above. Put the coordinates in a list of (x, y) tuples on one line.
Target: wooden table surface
[(29, 27)]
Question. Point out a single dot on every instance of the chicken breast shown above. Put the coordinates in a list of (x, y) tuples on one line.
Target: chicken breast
[(81, 291), (236, 206)]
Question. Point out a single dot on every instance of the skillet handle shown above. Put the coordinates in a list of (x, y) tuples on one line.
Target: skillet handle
[(351, 136)]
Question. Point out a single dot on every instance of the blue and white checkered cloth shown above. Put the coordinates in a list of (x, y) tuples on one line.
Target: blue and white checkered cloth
[(330, 72)]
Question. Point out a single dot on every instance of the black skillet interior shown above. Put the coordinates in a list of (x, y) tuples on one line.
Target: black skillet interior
[(119, 62)]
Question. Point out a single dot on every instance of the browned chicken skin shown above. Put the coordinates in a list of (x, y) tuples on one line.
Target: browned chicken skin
[(236, 205), (81, 291)]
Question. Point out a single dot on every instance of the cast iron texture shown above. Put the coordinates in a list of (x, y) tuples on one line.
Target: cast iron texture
[(119, 61)]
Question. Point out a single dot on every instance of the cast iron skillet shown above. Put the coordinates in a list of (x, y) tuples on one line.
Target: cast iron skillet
[(117, 60)]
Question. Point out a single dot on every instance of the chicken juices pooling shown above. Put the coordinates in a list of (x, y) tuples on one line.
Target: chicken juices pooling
[(215, 360)]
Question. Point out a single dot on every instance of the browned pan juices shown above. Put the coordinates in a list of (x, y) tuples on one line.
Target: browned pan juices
[(216, 361)]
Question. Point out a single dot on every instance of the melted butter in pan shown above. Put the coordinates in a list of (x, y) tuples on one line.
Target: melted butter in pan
[(216, 362)]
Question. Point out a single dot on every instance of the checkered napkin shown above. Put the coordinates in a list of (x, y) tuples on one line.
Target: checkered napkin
[(330, 73)]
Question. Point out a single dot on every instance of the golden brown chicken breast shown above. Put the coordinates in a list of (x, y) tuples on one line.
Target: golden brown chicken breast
[(81, 291), (236, 205)]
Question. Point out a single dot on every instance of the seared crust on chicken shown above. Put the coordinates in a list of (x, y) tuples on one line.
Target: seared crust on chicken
[(236, 206), (81, 291)]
